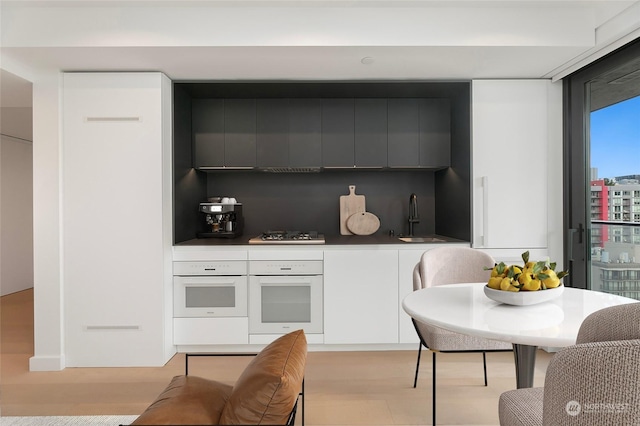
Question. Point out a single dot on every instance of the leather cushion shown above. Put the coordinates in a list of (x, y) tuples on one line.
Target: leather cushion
[(187, 400), (268, 388)]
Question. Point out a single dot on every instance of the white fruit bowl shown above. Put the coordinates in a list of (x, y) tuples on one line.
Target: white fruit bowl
[(523, 298)]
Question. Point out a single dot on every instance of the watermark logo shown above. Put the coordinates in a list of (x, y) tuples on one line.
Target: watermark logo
[(573, 408)]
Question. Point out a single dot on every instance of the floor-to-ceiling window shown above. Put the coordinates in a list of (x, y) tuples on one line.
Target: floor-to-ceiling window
[(602, 174)]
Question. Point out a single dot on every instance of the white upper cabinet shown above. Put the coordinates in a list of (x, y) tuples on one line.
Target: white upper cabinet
[(116, 200), (515, 129)]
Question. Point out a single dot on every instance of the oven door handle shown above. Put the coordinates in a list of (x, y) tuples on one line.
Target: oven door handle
[(212, 284), (285, 280)]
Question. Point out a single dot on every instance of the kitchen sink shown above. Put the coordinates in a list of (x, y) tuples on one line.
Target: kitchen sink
[(421, 240)]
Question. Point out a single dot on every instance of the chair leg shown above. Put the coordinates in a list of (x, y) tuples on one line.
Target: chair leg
[(415, 379), (484, 364), (433, 391)]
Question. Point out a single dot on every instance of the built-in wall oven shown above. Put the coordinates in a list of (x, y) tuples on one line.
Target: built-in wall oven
[(285, 296), (210, 289)]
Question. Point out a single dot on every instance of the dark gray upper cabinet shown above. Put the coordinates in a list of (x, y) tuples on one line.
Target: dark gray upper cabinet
[(305, 132), (314, 132), (240, 133), (419, 133), (404, 132), (208, 132), (272, 132), (338, 137), (435, 133), (370, 123), (289, 132)]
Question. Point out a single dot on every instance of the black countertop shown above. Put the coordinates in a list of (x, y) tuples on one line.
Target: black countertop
[(375, 239)]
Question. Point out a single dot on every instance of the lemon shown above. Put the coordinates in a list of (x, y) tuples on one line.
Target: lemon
[(499, 270), (552, 280), (505, 283), (525, 277), (532, 285), (494, 283)]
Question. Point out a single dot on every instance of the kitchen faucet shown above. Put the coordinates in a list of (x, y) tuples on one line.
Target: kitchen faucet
[(413, 212)]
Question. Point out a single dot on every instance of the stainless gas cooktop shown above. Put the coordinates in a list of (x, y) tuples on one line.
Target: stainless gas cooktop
[(288, 237)]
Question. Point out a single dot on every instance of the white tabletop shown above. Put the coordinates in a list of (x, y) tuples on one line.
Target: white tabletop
[(465, 308)]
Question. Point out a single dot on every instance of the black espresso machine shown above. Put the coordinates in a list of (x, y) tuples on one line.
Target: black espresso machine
[(221, 219)]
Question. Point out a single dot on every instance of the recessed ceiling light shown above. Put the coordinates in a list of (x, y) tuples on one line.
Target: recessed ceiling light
[(367, 60)]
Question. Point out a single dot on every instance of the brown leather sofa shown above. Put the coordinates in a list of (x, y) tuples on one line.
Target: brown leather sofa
[(266, 392)]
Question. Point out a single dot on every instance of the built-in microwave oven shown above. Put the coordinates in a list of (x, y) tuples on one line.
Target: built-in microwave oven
[(210, 289)]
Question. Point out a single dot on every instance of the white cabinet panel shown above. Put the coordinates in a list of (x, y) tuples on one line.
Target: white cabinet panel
[(361, 296), (407, 260), (116, 200), (210, 331), (265, 339), (511, 133)]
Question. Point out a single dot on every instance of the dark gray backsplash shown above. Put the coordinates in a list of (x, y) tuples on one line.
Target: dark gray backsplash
[(311, 201)]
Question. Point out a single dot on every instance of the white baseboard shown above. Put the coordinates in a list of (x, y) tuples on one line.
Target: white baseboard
[(46, 363)]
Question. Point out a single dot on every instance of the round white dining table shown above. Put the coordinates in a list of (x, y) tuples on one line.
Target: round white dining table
[(464, 308)]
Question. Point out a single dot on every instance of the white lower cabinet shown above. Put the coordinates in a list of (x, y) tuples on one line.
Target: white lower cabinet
[(363, 289), (265, 339), (211, 331), (407, 260), (360, 296)]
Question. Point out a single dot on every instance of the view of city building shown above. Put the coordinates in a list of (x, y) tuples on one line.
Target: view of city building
[(615, 235)]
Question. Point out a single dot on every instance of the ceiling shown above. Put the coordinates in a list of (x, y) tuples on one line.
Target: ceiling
[(312, 40)]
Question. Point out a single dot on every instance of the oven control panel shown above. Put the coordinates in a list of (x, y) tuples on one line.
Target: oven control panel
[(216, 267), (284, 267)]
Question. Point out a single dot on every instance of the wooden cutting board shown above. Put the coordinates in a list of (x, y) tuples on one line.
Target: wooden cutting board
[(350, 204), (364, 223)]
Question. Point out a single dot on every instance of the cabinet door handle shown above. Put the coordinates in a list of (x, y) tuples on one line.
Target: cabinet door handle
[(485, 211), (112, 119)]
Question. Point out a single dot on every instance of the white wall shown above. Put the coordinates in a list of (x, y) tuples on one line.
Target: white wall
[(16, 218), (16, 184)]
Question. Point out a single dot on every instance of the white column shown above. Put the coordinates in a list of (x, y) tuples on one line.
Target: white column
[(48, 301)]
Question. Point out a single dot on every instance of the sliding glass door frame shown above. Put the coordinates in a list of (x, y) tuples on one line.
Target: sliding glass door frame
[(577, 161)]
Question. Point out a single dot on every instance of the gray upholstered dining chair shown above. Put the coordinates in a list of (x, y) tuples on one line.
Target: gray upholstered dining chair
[(450, 265), (594, 382)]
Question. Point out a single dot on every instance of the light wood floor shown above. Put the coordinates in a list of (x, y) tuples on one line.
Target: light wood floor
[(342, 388)]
